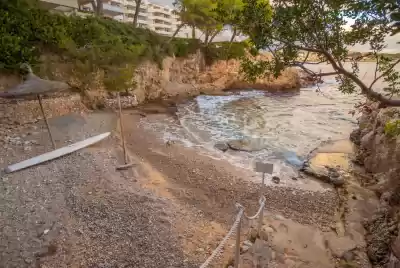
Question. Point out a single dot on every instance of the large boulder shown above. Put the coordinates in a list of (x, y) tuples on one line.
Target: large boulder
[(222, 146), (247, 145)]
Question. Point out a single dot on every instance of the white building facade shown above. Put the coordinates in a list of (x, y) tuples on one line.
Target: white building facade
[(158, 18)]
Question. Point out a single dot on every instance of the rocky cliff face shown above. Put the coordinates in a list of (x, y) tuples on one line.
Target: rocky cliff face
[(178, 78), (190, 76), (379, 153)]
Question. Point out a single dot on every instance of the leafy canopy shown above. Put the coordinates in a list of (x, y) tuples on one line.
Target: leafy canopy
[(320, 27), (200, 14)]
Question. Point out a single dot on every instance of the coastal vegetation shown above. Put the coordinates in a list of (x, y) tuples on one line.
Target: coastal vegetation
[(89, 44), (319, 27)]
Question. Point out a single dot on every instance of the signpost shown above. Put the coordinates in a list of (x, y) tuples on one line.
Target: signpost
[(263, 168)]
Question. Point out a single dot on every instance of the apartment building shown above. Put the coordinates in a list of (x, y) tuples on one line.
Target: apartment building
[(158, 18)]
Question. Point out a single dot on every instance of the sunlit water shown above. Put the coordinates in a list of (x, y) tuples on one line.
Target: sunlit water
[(290, 125)]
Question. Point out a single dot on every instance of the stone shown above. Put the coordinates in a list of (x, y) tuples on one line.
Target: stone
[(252, 235), (265, 232), (337, 181), (366, 139), (221, 146), (294, 178), (276, 179), (348, 256), (290, 263), (248, 243), (339, 245), (355, 136), (396, 247), (247, 145), (244, 248)]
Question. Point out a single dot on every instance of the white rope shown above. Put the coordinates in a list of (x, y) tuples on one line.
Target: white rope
[(221, 245), (262, 204), (241, 213)]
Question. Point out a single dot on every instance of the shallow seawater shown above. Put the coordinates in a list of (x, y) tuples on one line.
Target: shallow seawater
[(290, 125)]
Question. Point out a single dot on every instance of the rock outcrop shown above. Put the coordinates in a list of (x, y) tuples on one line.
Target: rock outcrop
[(190, 77), (379, 153), (178, 78)]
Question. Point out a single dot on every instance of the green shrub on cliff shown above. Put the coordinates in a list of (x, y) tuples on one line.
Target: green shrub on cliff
[(89, 44), (225, 51), (392, 128), (27, 32)]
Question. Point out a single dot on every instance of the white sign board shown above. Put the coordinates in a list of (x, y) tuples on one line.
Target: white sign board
[(264, 167)]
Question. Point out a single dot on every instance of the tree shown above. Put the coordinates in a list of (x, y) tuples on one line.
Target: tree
[(137, 10), (395, 17), (319, 27), (230, 11), (198, 14), (227, 11)]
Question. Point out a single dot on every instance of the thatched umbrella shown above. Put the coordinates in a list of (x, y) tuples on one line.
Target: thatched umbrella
[(35, 86)]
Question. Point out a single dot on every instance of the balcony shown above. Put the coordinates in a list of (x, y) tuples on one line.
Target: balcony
[(111, 10), (60, 5), (116, 2), (163, 24)]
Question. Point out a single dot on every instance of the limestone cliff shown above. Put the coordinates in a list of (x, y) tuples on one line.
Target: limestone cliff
[(379, 153), (190, 76), (177, 78)]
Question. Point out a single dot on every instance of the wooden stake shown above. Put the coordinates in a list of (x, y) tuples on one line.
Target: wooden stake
[(237, 248), (45, 120), (122, 130)]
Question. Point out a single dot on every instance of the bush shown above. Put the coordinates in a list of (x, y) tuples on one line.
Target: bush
[(27, 32), (392, 128), (224, 51)]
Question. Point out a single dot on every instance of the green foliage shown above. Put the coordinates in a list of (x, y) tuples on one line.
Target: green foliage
[(185, 47), (224, 51), (395, 18), (200, 14), (392, 128), (91, 43), (320, 27)]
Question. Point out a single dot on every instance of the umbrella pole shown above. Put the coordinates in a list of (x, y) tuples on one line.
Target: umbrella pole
[(45, 120), (121, 122), (122, 129)]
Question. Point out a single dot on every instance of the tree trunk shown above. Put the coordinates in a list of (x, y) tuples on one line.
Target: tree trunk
[(206, 38), (213, 36), (137, 10), (175, 33), (230, 42), (193, 32), (99, 7)]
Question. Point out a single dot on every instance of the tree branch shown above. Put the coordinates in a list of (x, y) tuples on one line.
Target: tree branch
[(384, 73), (310, 62)]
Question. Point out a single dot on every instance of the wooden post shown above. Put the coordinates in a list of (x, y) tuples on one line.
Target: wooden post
[(237, 249), (45, 120), (261, 216), (122, 130)]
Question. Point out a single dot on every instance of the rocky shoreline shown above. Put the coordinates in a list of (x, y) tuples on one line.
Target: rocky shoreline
[(379, 153)]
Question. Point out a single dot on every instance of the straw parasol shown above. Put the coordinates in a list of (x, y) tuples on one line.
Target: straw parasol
[(35, 86)]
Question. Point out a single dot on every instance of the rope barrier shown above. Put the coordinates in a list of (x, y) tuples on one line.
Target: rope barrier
[(221, 245), (241, 213), (262, 204)]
